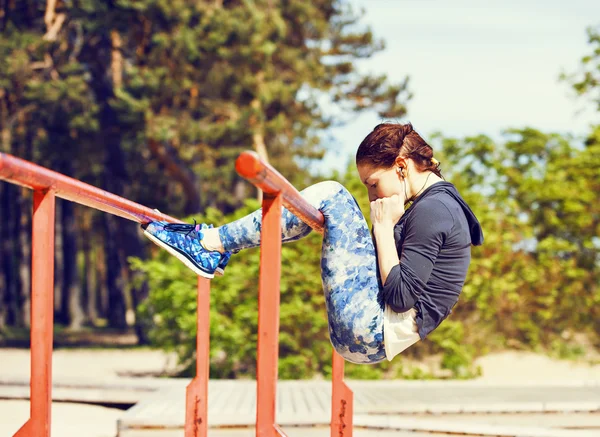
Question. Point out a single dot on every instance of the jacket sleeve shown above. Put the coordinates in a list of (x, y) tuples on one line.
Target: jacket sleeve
[(425, 233)]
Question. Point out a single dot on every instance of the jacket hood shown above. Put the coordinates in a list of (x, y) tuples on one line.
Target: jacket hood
[(447, 187)]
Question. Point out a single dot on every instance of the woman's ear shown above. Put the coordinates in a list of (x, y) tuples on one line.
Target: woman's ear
[(401, 163)]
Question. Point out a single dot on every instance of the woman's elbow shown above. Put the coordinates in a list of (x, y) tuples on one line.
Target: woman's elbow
[(399, 297), (402, 304), (402, 308)]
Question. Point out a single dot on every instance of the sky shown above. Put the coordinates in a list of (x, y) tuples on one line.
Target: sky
[(476, 67)]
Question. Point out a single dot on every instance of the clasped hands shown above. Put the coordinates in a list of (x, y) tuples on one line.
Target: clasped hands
[(386, 211)]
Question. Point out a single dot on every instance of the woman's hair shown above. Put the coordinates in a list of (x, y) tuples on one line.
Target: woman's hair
[(387, 141)]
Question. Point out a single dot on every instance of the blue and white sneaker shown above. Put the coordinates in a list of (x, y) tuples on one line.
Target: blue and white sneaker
[(220, 270), (183, 241)]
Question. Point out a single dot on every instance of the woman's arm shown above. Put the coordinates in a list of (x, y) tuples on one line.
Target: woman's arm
[(387, 253), (385, 213), (425, 233)]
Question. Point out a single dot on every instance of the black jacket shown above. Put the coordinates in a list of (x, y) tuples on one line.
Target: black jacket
[(433, 239)]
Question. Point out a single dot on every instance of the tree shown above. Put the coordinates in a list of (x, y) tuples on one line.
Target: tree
[(538, 268), (586, 82), (154, 102), (207, 80)]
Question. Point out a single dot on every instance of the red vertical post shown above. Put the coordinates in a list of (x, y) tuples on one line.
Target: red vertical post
[(268, 316), (196, 411), (341, 400), (42, 315)]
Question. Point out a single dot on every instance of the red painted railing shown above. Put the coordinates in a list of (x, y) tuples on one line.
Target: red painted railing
[(47, 185), (277, 192)]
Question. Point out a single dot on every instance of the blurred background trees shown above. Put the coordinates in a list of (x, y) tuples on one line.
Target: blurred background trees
[(154, 100)]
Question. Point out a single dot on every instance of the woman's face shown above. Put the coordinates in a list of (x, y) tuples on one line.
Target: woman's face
[(381, 182)]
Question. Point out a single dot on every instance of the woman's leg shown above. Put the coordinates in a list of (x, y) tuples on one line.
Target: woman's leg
[(348, 267)]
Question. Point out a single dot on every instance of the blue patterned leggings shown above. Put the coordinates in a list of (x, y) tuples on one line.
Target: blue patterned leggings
[(348, 267)]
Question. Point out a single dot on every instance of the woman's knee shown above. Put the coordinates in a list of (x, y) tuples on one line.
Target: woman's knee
[(356, 343), (360, 355), (324, 189)]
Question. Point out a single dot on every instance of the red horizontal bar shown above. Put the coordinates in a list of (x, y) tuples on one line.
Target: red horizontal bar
[(27, 174), (270, 181)]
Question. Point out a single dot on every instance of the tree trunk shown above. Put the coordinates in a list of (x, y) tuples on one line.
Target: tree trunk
[(258, 141), (114, 277), (71, 302), (138, 295), (133, 247), (101, 283), (4, 232), (17, 303), (116, 64), (53, 21), (257, 126), (167, 155), (71, 309), (61, 312), (10, 257), (88, 273), (105, 65), (7, 200), (25, 248), (50, 13), (115, 178), (3, 279), (26, 152)]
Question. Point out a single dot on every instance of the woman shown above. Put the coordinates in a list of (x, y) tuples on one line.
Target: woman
[(383, 291)]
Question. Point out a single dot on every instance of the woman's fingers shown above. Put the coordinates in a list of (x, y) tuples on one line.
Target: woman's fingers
[(386, 209)]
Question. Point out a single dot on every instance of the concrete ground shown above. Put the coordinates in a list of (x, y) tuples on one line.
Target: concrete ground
[(504, 368), (75, 420), (291, 432), (68, 420)]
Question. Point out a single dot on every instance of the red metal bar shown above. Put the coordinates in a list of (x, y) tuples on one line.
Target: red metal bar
[(270, 181), (48, 185), (27, 174), (42, 316), (196, 416), (268, 317), (341, 400)]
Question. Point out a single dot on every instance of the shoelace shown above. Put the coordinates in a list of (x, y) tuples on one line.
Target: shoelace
[(182, 228)]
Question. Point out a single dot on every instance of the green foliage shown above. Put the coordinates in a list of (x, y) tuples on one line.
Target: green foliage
[(212, 80), (537, 274), (535, 277), (170, 310), (458, 354), (585, 82), (178, 89), (565, 350), (161, 96)]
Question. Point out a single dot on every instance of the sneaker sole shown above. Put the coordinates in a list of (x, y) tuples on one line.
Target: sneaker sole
[(181, 256)]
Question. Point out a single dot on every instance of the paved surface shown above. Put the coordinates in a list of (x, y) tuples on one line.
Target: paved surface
[(291, 432), (387, 404), (76, 420), (68, 420), (466, 407), (520, 395)]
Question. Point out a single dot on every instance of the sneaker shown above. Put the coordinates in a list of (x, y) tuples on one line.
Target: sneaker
[(183, 241), (220, 270)]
